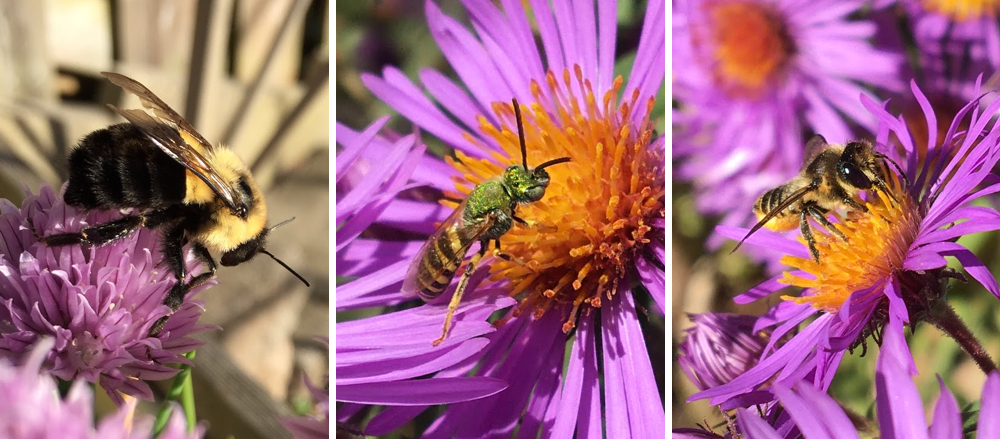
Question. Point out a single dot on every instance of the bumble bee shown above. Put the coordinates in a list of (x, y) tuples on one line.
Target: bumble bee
[(484, 216), (173, 180), (831, 178)]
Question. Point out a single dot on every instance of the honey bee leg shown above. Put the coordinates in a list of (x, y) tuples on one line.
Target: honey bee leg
[(459, 291), (99, 234), (854, 204), (807, 234), (820, 217)]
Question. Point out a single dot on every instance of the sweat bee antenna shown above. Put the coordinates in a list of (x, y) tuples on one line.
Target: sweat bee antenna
[(520, 133)]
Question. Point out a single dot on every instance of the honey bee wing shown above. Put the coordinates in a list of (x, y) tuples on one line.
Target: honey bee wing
[(465, 233), (792, 198), (813, 147), (161, 130)]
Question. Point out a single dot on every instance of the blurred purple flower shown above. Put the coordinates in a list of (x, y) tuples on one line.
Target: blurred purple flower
[(752, 77), (895, 262), (310, 426), (30, 407), (597, 234), (97, 303), (719, 347), (900, 414)]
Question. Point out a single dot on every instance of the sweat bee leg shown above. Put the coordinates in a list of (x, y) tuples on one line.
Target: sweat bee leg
[(520, 220), (510, 258), (820, 217), (459, 291), (806, 231)]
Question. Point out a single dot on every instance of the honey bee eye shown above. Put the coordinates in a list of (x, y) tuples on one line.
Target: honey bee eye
[(853, 175)]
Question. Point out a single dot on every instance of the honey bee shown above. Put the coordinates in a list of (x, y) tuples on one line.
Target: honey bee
[(832, 177), (175, 181), (484, 216)]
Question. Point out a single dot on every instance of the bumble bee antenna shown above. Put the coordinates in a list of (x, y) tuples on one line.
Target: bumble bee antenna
[(282, 223), (520, 133), (285, 265)]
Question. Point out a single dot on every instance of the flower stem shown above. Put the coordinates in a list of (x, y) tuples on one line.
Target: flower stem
[(181, 390), (944, 318)]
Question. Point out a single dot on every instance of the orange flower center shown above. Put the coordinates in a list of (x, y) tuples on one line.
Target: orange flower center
[(584, 234), (961, 10), (752, 45)]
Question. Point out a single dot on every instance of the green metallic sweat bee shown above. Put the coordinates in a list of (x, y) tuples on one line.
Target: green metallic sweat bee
[(484, 216)]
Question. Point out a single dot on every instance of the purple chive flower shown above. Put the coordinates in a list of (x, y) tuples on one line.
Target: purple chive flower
[(893, 262), (30, 407), (900, 414), (98, 303), (720, 347), (753, 76), (596, 235)]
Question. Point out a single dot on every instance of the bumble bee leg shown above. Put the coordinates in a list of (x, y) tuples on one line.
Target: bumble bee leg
[(820, 217), (459, 291), (202, 253), (99, 234), (173, 252), (806, 231)]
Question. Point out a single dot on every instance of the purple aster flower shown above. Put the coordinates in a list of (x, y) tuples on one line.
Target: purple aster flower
[(892, 263), (900, 413), (956, 41), (720, 347), (592, 242), (752, 77), (98, 303), (30, 407)]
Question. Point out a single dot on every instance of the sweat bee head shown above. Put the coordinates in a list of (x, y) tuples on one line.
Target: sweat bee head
[(527, 185)]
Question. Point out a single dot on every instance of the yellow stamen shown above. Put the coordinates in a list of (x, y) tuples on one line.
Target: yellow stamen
[(961, 10), (752, 45), (876, 246), (595, 217)]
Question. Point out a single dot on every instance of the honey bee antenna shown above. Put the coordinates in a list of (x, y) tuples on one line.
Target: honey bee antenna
[(285, 265), (282, 223), (520, 133)]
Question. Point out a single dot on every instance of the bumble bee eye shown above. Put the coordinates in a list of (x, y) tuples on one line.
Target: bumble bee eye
[(853, 175), (245, 187)]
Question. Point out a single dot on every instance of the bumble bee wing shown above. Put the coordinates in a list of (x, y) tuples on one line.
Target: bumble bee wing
[(160, 128), (156, 105), (437, 260), (792, 198)]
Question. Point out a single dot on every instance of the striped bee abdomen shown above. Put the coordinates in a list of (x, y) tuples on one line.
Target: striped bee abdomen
[(767, 202), (120, 167), (439, 258)]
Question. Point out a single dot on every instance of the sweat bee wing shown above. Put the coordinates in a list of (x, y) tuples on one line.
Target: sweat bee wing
[(792, 198), (165, 128), (437, 260)]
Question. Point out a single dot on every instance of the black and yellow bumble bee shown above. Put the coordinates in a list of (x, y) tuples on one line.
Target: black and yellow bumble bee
[(484, 216), (832, 178), (173, 180)]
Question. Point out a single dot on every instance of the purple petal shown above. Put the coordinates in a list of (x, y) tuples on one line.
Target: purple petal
[(947, 422), (421, 392), (989, 412)]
